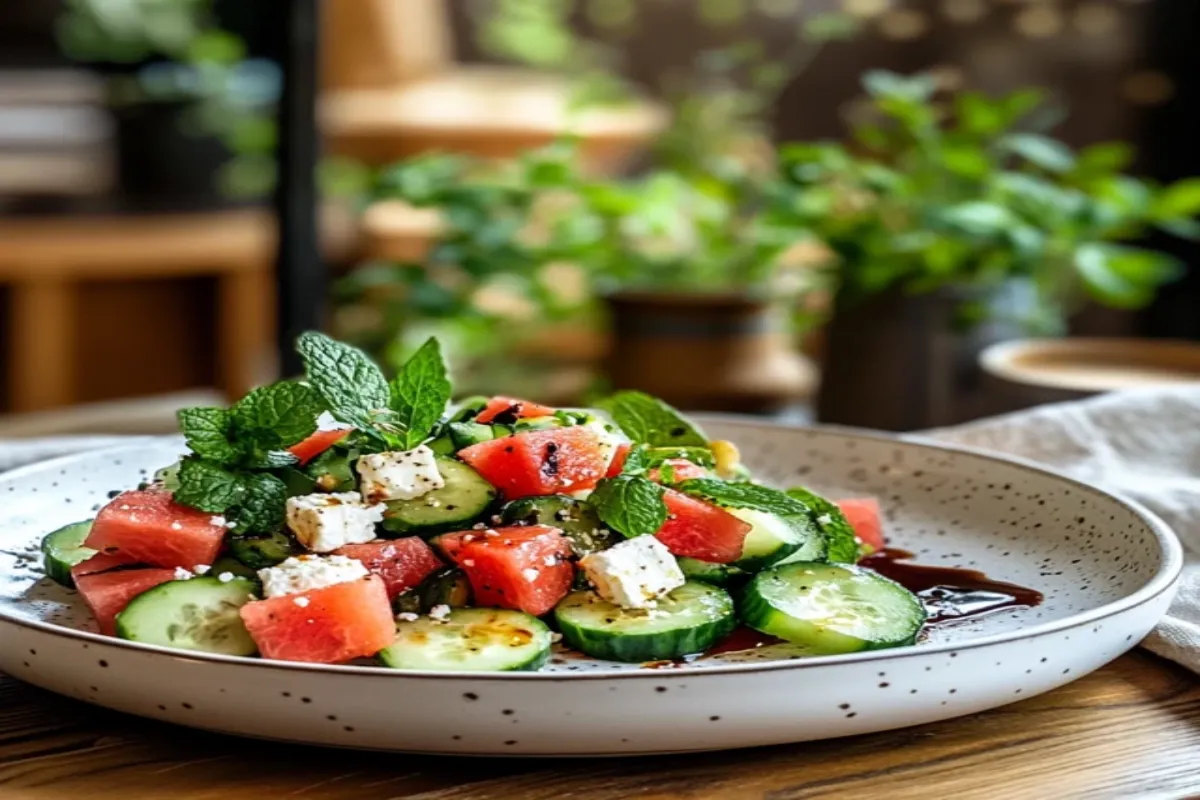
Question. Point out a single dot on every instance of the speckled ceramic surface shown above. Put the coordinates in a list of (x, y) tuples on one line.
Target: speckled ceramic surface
[(1107, 569)]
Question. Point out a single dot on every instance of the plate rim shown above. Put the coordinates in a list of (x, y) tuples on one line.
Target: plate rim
[(1163, 580)]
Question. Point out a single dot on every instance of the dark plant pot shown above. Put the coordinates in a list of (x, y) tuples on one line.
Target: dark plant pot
[(162, 167), (895, 362), (705, 352)]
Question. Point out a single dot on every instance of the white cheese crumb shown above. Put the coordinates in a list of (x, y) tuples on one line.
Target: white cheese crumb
[(301, 601), (407, 616), (478, 526), (550, 561), (225, 577), (218, 521), (305, 573), (530, 574), (399, 475), (634, 573), (824, 520), (468, 562), (182, 574), (440, 612), (202, 569), (325, 522), (176, 526), (555, 636), (326, 422)]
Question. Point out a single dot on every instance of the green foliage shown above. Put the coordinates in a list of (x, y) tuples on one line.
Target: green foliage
[(964, 193)]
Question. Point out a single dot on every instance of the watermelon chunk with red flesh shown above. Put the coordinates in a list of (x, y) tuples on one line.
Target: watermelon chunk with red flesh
[(507, 410), (697, 529), (866, 518), (539, 463), (526, 568), (401, 563), (618, 460), (320, 441), (107, 593), (101, 562), (684, 470), (149, 527), (330, 625)]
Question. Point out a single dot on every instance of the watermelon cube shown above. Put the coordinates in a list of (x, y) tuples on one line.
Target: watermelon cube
[(697, 529), (539, 463), (107, 593), (330, 625), (507, 410), (402, 563), (526, 568), (148, 527), (866, 518)]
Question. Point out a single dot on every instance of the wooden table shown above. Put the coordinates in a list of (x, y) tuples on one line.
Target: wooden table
[(1130, 730)]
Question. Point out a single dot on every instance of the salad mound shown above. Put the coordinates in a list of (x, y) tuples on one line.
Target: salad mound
[(343, 516)]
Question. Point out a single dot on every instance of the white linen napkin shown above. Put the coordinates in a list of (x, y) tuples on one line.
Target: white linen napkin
[(1144, 444)]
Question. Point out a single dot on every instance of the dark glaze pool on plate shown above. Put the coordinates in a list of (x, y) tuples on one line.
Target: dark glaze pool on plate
[(950, 594)]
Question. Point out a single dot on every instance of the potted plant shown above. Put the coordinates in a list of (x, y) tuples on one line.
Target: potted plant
[(943, 217), (193, 112)]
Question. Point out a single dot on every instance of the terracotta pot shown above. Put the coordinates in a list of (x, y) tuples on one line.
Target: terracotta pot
[(705, 352)]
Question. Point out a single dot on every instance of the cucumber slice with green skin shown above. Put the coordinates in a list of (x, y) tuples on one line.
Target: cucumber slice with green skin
[(443, 445), (841, 544), (689, 620), (198, 614), (446, 587), (575, 518), (262, 550), (832, 608), (168, 476), (716, 574), (465, 434), (332, 471), (774, 538), (63, 549), (233, 567), (537, 424), (469, 409), (465, 498), (470, 640)]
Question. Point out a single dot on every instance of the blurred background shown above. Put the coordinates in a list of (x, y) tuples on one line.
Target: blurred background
[(888, 213)]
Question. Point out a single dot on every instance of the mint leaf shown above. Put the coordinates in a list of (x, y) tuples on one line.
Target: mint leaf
[(263, 507), (642, 459), (743, 495), (278, 415), (420, 393), (345, 377), (208, 432), (648, 420), (841, 543), (630, 504), (270, 459), (208, 486)]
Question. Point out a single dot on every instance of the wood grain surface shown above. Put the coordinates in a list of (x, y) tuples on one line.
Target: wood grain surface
[(1131, 730)]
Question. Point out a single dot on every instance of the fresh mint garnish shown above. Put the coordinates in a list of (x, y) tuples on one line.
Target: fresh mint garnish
[(270, 459), (208, 432), (278, 415), (648, 420), (351, 384), (208, 486), (743, 495), (419, 394), (840, 540), (263, 507), (630, 505)]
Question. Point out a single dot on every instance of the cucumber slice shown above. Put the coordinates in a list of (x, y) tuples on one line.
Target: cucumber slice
[(469, 409), (446, 587), (233, 567), (470, 640), (537, 424), (465, 434), (574, 518), (199, 614), (262, 550), (63, 549), (832, 608), (443, 445), (841, 544), (168, 476), (716, 574), (775, 538), (688, 620), (465, 498)]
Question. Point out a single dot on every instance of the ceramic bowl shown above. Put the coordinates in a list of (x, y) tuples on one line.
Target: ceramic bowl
[(1107, 569)]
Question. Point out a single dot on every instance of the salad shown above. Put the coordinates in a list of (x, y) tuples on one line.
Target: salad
[(342, 517)]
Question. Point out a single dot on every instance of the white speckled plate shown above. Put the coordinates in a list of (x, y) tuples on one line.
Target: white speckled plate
[(1106, 567)]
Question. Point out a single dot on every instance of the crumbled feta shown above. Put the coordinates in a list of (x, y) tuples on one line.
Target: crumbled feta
[(176, 526), (824, 520), (440, 612), (326, 422), (182, 574), (555, 636), (407, 616), (301, 601), (218, 521), (305, 573), (634, 573), (225, 577), (468, 562), (530, 574), (581, 494), (202, 569), (325, 522), (399, 475)]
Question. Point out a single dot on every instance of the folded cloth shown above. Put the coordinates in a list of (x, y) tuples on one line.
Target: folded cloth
[(1143, 444)]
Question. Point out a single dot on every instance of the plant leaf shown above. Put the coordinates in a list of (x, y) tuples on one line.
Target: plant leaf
[(841, 543), (208, 431), (263, 507), (744, 495), (630, 505), (278, 415), (351, 384), (1179, 200), (648, 420), (1041, 151), (207, 486), (420, 393)]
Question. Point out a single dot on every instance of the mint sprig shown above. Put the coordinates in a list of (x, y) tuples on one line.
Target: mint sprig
[(208, 486), (419, 394), (348, 380), (630, 505), (743, 495), (278, 415), (208, 432), (841, 541), (648, 420), (264, 505)]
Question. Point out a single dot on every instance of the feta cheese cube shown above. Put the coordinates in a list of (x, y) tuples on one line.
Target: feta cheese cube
[(305, 573), (399, 475), (325, 522), (634, 573)]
